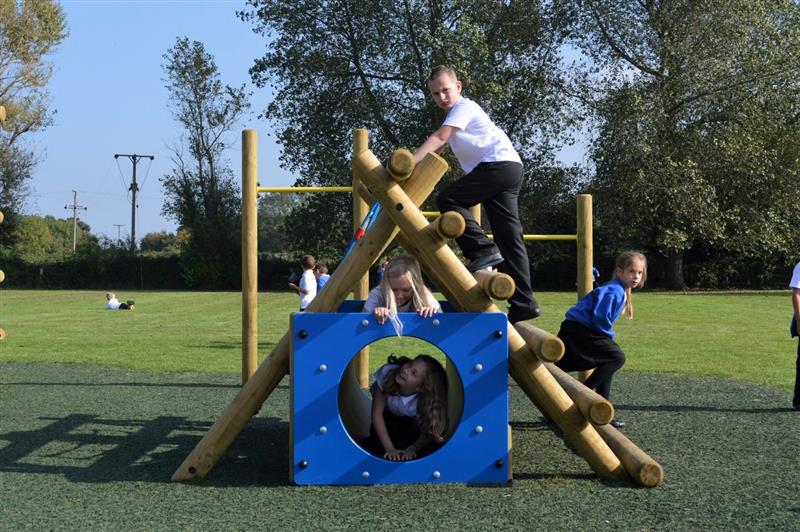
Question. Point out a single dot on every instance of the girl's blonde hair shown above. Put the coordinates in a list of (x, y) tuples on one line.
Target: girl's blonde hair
[(623, 261), (431, 395), (406, 265)]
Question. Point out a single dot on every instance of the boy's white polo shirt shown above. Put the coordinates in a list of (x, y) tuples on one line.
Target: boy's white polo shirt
[(477, 139)]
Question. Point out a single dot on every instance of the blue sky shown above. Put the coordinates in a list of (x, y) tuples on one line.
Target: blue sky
[(109, 96)]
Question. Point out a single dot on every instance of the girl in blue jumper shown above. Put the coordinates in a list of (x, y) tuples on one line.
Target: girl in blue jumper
[(587, 331)]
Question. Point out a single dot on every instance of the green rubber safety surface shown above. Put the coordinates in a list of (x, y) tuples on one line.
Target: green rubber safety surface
[(93, 448)]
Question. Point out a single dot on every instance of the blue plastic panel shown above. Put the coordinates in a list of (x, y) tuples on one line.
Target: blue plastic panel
[(324, 452)]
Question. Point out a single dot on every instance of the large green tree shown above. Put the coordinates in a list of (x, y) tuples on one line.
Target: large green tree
[(337, 65), (698, 138), (29, 31), (201, 194)]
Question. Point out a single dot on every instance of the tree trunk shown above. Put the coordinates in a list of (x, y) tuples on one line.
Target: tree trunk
[(675, 270)]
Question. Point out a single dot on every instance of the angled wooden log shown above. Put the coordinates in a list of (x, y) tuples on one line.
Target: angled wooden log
[(592, 405), (465, 294), (548, 347), (253, 394), (496, 285), (639, 465)]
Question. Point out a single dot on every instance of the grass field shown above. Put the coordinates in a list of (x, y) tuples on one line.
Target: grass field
[(98, 408), (741, 336)]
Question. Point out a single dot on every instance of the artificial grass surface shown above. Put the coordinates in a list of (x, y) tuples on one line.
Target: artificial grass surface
[(92, 448), (735, 335)]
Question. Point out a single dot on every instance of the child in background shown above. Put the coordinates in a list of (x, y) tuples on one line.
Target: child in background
[(307, 290), (112, 303), (401, 290), (321, 273), (587, 331), (493, 177), (409, 408)]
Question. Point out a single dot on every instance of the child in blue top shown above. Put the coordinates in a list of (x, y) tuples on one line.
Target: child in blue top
[(321, 273), (588, 333)]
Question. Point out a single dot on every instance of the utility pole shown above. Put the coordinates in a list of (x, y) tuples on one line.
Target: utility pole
[(133, 188), (118, 226), (75, 208)]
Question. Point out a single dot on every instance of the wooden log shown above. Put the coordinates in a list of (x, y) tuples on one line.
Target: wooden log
[(640, 466), (464, 293), (2, 276), (252, 395), (585, 254), (2, 114), (401, 164), (448, 226), (360, 209), (496, 285), (592, 405), (249, 254), (547, 346)]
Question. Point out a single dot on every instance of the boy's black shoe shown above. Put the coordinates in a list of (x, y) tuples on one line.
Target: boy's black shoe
[(796, 405), (484, 261), (516, 314), (130, 302)]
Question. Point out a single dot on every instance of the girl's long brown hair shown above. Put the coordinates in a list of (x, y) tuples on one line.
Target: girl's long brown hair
[(623, 261), (431, 395)]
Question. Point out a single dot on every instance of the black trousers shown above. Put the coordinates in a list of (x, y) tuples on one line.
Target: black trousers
[(403, 432), (496, 186), (585, 348)]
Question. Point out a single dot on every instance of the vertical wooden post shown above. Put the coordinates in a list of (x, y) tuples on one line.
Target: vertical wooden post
[(249, 254), (585, 254), (360, 209), (585, 250)]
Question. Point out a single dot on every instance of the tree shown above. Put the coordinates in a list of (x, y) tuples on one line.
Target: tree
[(698, 125), (29, 31), (337, 65), (42, 240), (200, 191), (161, 242)]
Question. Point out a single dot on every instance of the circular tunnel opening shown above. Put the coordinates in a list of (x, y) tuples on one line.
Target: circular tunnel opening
[(355, 402)]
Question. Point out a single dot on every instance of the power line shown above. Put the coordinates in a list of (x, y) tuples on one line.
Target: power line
[(75, 208), (133, 188)]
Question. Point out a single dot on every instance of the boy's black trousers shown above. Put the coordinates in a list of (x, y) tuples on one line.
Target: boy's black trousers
[(495, 185)]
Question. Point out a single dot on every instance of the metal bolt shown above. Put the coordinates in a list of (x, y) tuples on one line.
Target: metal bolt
[(499, 463), (498, 334), (323, 430), (478, 429), (436, 474), (436, 323), (399, 206), (303, 333), (303, 464), (478, 367), (365, 323), (365, 475), (323, 367)]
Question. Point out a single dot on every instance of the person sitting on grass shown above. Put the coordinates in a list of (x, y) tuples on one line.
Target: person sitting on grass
[(112, 303)]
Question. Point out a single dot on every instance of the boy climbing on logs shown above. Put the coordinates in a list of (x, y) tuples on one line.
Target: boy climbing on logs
[(493, 177)]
